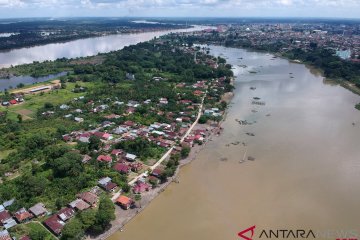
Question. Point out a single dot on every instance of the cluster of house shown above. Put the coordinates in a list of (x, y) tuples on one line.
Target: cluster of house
[(56, 222), (297, 35), (8, 220), (142, 185)]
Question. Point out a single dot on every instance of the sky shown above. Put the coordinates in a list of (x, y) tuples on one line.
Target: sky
[(180, 8)]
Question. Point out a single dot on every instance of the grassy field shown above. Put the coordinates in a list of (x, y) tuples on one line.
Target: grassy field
[(5, 153), (35, 101), (32, 227)]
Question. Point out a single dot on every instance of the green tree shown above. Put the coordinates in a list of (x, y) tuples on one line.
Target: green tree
[(73, 230), (203, 119), (48, 105), (94, 143), (88, 218), (185, 151), (105, 214), (68, 165)]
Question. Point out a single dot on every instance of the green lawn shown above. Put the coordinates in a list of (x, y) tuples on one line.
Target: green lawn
[(5, 153), (30, 228)]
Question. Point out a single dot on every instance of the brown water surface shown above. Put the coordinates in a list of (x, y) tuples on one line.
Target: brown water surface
[(307, 168)]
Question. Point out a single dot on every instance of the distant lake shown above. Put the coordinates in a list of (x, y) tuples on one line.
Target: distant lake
[(80, 48), (27, 80)]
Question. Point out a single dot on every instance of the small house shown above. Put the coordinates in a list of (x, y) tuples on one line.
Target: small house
[(104, 158), (38, 210), (107, 184), (10, 223), (125, 202), (66, 213), (117, 152), (8, 203), (54, 224), (141, 187), (130, 157), (88, 197), (122, 168), (22, 215), (136, 167), (157, 172), (4, 216), (79, 204)]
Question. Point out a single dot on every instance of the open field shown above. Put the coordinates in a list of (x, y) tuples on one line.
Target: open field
[(35, 101)]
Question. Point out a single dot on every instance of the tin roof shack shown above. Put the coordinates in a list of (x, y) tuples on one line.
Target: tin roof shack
[(38, 210)]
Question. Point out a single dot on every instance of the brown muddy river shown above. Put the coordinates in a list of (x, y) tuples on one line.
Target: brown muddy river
[(306, 171)]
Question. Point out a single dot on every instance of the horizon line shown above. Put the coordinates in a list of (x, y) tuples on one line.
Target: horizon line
[(191, 17)]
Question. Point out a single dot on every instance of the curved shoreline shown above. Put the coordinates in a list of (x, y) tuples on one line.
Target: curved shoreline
[(148, 197)]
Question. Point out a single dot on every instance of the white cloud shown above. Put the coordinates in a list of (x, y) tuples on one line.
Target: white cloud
[(237, 8), (11, 3)]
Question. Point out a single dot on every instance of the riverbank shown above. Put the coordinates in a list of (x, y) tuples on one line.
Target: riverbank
[(84, 47), (342, 82), (123, 217), (212, 129), (65, 39), (298, 170)]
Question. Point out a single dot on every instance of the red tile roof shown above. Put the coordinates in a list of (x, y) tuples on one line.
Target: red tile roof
[(22, 215), (157, 172), (141, 187), (124, 200), (117, 152), (104, 158), (122, 168)]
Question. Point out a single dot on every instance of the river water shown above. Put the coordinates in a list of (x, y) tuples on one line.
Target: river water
[(27, 80), (80, 48), (306, 171)]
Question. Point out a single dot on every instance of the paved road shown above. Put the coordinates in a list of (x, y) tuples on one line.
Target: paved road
[(164, 157)]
